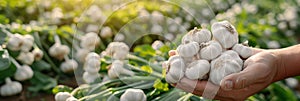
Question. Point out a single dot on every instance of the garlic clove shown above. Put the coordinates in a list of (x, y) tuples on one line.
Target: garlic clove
[(15, 42), (28, 41), (225, 33), (69, 66), (211, 51), (133, 95), (235, 56), (58, 51), (23, 73), (196, 35), (90, 77), (26, 58), (176, 69), (243, 51), (38, 54), (118, 50), (197, 69), (62, 96), (188, 50)]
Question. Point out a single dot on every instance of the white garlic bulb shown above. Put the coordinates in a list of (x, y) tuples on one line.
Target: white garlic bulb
[(26, 58), (197, 69), (156, 29), (72, 98), (106, 32), (28, 41), (222, 66), (68, 66), (117, 69), (58, 51), (118, 50), (188, 50), (62, 96), (244, 51), (90, 41), (212, 50), (81, 54), (197, 35), (92, 55), (90, 77), (10, 88), (15, 42), (225, 33), (133, 95), (38, 54), (175, 70), (235, 56), (23, 73), (156, 45)]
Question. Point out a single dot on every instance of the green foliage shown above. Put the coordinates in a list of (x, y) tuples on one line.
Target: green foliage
[(41, 82), (61, 88)]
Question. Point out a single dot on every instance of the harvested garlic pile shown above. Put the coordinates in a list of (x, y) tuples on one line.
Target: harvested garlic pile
[(205, 55)]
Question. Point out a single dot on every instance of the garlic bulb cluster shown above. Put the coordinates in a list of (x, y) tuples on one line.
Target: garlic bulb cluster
[(10, 88), (203, 55), (64, 96), (118, 50), (18, 42), (133, 95), (91, 67), (117, 69), (90, 41)]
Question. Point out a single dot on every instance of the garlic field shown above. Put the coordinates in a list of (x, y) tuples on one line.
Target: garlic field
[(137, 50)]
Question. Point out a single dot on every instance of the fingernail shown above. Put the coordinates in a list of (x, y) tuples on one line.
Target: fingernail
[(228, 85), (241, 82)]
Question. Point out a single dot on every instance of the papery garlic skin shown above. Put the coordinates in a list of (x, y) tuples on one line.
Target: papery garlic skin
[(176, 69), (92, 55), (211, 51), (197, 69), (243, 51), (90, 41), (225, 33), (117, 69), (15, 42), (188, 50), (23, 73), (62, 96), (26, 58), (197, 35), (28, 41), (133, 95), (10, 88), (222, 66), (90, 77), (58, 51), (69, 66), (118, 50)]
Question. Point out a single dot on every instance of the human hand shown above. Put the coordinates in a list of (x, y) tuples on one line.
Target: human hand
[(260, 70)]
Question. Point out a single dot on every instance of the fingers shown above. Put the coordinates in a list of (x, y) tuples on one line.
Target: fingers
[(251, 75), (256, 50)]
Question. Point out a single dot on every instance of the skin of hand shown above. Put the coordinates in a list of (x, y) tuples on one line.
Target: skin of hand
[(260, 70)]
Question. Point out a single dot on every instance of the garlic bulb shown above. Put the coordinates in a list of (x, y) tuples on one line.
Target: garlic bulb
[(23, 73), (10, 88), (26, 58), (92, 55), (244, 51), (117, 69), (28, 41), (133, 95), (81, 54), (90, 41), (175, 70), (38, 54), (62, 96), (188, 50), (197, 69), (72, 98), (118, 50), (156, 45), (211, 51), (68, 66), (200, 36), (235, 56), (58, 51), (223, 66), (15, 42), (156, 29), (90, 77), (225, 33), (106, 32)]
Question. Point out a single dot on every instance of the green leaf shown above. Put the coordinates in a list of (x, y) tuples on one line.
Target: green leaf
[(4, 60), (282, 92), (145, 51), (147, 69), (41, 82), (40, 65), (61, 88), (8, 72)]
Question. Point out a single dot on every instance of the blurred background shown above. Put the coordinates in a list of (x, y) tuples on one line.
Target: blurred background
[(267, 24)]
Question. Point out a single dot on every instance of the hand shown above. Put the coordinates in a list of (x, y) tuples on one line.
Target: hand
[(260, 70)]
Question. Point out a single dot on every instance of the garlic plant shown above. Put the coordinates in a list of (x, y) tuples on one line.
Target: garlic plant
[(118, 50), (38, 54), (28, 42), (117, 69), (26, 58), (91, 67), (69, 65), (10, 88), (58, 50), (133, 95), (23, 72), (90, 41), (206, 56)]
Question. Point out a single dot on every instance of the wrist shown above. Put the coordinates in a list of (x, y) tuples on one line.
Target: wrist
[(279, 65)]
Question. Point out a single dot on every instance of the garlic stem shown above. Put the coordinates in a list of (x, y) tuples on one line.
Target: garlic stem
[(15, 62), (66, 58), (7, 80), (56, 39), (9, 34)]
